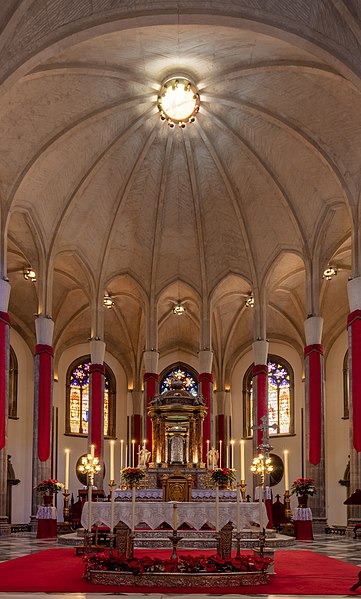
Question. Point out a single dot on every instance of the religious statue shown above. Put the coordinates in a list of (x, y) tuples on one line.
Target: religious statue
[(143, 457), (212, 457)]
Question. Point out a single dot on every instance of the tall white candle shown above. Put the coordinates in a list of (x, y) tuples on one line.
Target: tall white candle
[(217, 509), (238, 508), (121, 453), (232, 453), (133, 453), (133, 508), (227, 456), (241, 443), (220, 454), (207, 453), (67, 460), (126, 456), (285, 464), (111, 459)]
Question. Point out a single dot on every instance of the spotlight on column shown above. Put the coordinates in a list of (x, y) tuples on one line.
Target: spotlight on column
[(29, 274)]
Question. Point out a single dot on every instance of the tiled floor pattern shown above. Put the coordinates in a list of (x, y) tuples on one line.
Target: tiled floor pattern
[(18, 545)]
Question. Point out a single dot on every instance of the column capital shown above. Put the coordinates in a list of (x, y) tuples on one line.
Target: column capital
[(151, 359), (44, 327), (354, 293), (260, 351), (97, 351), (205, 360), (313, 330)]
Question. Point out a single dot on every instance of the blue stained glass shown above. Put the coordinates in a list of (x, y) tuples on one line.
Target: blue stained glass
[(182, 375)]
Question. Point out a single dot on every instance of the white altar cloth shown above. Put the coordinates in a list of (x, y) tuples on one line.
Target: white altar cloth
[(157, 495), (46, 512), (302, 513), (195, 513)]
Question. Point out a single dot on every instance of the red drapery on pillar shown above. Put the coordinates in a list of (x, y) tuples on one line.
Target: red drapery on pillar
[(354, 324), (4, 324), (45, 354), (260, 392), (313, 354), (150, 389), (205, 381), (97, 374)]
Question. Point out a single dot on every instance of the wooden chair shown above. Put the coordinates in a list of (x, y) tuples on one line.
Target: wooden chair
[(177, 487)]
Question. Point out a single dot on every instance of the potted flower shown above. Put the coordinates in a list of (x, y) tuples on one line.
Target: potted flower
[(47, 488), (303, 487), (132, 476), (223, 477)]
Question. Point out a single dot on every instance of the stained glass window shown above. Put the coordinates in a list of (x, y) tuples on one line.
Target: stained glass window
[(78, 399), (182, 373), (280, 397)]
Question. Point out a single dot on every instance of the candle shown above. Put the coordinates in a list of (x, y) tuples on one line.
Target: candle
[(285, 464), (138, 454), (227, 456), (126, 456), (67, 458), (220, 454), (133, 508), (111, 459), (174, 516), (238, 508), (232, 453), (92, 451), (241, 443), (217, 509), (121, 453), (133, 453), (208, 453)]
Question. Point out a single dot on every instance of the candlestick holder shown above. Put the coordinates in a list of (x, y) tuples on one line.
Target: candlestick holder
[(262, 541), (112, 485), (174, 538), (287, 526), (243, 488), (66, 510)]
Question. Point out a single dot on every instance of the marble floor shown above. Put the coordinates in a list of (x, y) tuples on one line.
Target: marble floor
[(18, 545)]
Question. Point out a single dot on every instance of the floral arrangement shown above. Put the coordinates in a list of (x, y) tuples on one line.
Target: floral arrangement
[(113, 562), (223, 476), (49, 486), (303, 487), (132, 475)]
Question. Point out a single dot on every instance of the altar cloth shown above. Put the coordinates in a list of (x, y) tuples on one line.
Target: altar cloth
[(194, 513)]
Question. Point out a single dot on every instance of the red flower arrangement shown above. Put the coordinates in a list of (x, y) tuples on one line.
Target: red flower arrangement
[(113, 562), (223, 476), (51, 485), (303, 486)]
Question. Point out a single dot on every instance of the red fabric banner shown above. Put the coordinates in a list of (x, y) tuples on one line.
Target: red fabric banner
[(4, 323), (136, 428), (354, 321), (260, 379), (205, 381), (314, 353), (45, 355), (97, 373), (150, 389)]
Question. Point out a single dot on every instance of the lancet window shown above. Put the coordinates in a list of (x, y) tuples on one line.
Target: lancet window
[(280, 397), (77, 399), (181, 372)]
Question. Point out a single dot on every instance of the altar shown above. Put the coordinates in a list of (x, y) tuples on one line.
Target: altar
[(194, 513)]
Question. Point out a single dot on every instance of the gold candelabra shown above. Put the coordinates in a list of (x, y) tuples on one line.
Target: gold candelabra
[(90, 466)]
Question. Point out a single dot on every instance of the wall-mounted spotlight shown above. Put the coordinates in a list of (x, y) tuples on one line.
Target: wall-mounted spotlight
[(107, 301), (249, 301), (29, 274), (329, 272)]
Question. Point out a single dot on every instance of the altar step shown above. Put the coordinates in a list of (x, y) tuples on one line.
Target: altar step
[(190, 539)]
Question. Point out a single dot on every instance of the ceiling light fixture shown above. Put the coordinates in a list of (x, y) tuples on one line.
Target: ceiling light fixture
[(179, 310), (178, 102), (329, 272), (29, 274), (107, 301), (250, 301)]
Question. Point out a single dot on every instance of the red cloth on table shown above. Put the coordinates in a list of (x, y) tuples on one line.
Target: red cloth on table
[(303, 530), (47, 529)]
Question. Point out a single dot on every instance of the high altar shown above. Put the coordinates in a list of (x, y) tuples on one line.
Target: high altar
[(177, 431)]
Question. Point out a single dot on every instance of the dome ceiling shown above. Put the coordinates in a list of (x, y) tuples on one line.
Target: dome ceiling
[(98, 188)]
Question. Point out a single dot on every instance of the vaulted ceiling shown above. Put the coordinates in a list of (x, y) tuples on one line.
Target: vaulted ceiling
[(259, 194)]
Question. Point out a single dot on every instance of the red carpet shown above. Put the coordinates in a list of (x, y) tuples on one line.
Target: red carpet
[(60, 571)]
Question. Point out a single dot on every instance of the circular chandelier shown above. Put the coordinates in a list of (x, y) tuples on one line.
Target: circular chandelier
[(178, 101)]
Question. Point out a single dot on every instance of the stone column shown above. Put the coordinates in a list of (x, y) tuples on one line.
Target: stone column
[(354, 356), (221, 436), (4, 400), (151, 380), (205, 389), (137, 397), (96, 403), (43, 403), (314, 417)]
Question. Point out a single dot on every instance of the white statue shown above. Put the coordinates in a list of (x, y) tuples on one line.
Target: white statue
[(212, 457), (143, 457)]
